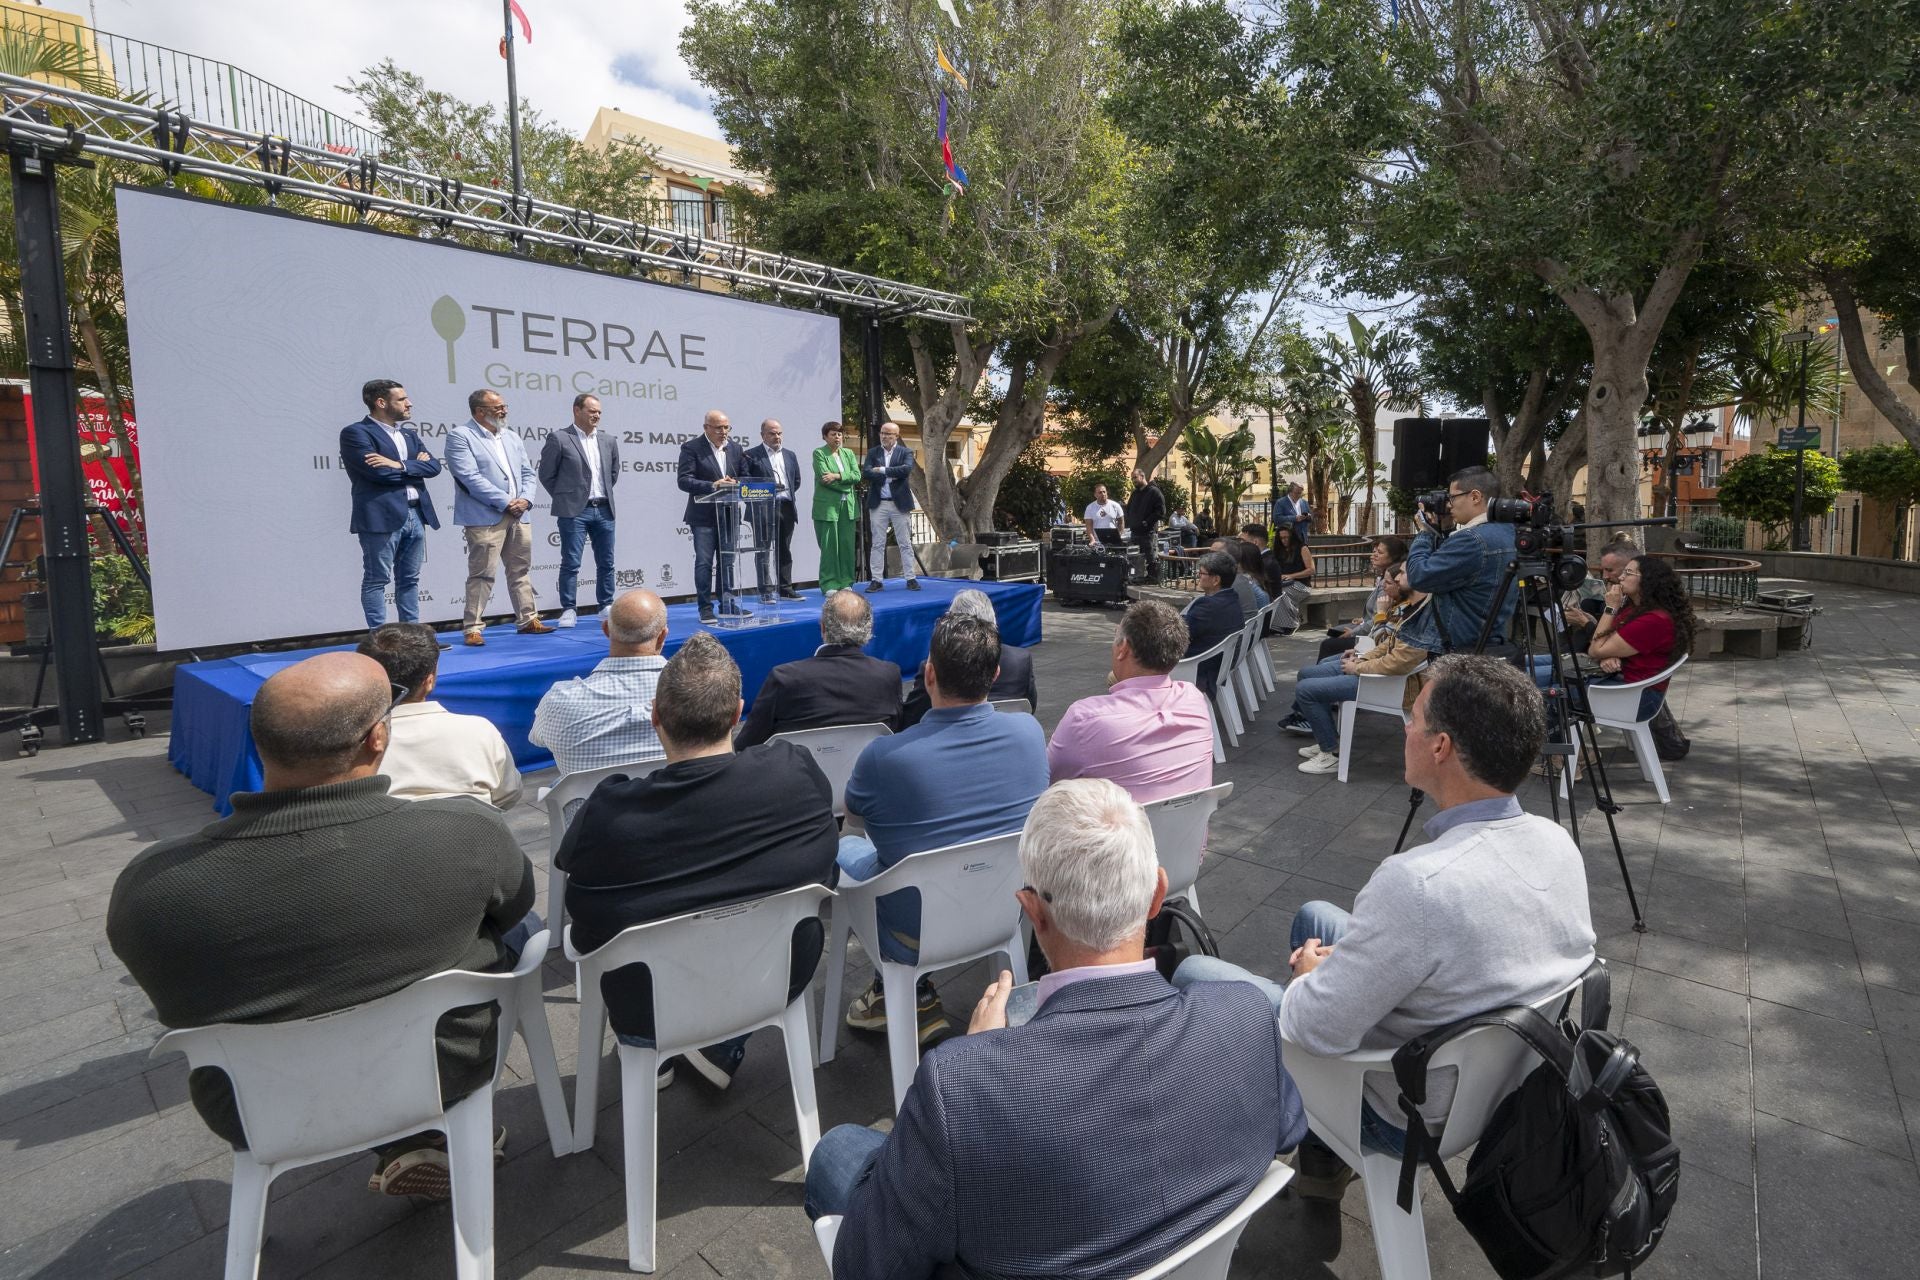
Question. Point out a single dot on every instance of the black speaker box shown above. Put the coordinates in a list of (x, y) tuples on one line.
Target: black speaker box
[(1465, 442), (1416, 455), (1090, 574)]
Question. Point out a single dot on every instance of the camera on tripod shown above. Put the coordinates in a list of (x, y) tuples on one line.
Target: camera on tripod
[(1537, 536)]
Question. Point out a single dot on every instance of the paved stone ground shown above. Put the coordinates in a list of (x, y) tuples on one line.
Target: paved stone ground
[(1776, 998)]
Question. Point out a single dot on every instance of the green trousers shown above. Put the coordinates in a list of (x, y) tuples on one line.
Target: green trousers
[(836, 539)]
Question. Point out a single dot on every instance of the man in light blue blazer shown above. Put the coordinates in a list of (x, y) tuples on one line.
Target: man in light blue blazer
[(1123, 1118), (492, 501)]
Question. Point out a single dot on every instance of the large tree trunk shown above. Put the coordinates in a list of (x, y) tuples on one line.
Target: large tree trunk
[(1563, 464), (1879, 391), (939, 409), (1149, 457)]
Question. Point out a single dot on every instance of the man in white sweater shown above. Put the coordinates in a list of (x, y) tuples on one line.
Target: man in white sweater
[(433, 753), (1492, 911)]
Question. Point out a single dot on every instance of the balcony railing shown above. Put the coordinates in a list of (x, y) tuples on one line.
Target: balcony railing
[(205, 89)]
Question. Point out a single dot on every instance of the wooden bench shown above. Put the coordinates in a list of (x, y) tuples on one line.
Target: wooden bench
[(1747, 634), (1331, 606)]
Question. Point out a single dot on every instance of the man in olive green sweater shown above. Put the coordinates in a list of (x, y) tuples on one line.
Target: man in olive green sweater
[(322, 892)]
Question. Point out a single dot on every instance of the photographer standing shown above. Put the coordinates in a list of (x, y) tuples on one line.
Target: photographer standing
[(1462, 572)]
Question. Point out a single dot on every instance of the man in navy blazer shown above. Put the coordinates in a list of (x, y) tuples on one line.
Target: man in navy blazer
[(493, 488), (887, 471), (1123, 1119), (773, 522), (579, 465), (1214, 614), (392, 509), (710, 462)]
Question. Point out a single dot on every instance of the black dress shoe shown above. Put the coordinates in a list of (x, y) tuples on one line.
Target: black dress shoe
[(913, 584), (788, 593), (873, 586)]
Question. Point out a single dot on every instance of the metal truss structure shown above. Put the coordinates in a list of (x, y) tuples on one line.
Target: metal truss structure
[(64, 119)]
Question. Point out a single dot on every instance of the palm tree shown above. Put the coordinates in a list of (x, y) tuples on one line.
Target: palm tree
[(1375, 371), (1223, 466), (1314, 407), (33, 55)]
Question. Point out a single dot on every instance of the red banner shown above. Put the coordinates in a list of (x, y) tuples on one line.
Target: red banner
[(99, 449)]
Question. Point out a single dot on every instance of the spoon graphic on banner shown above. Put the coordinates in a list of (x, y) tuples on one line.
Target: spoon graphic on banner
[(449, 321)]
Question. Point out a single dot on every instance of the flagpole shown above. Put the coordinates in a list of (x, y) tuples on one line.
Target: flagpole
[(513, 102)]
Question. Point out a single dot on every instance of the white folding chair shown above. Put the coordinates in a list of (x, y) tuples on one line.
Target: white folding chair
[(967, 910), (1205, 1257), (835, 749), (1245, 668), (342, 1082), (1262, 659), (1226, 702), (1180, 836), (1617, 706), (562, 800), (1012, 704), (1490, 1061), (716, 974), (1382, 694)]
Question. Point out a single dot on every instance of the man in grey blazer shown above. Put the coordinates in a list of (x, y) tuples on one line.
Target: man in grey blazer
[(492, 498), (1044, 1148), (579, 466)]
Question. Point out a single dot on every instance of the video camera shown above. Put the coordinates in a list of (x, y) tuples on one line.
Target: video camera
[(1536, 535)]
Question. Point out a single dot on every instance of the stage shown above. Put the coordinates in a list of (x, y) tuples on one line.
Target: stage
[(505, 680)]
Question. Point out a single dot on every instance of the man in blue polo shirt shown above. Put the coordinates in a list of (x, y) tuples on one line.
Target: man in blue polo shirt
[(965, 772)]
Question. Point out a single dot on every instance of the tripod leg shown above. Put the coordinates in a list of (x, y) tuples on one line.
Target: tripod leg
[(1413, 807)]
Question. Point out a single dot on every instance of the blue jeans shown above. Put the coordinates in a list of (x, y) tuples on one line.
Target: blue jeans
[(898, 913), (392, 557), (1326, 922), (841, 1161), (712, 572), (595, 523), (1318, 702)]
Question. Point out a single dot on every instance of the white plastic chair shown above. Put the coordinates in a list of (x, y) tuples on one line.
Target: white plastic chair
[(1384, 694), (967, 910), (835, 749), (568, 792), (1180, 836), (1205, 1257), (1491, 1062), (1246, 668), (343, 1082), (716, 974), (1617, 706), (1226, 703), (1263, 660)]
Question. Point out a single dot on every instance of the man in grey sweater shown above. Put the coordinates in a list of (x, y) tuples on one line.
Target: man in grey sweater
[(1492, 911)]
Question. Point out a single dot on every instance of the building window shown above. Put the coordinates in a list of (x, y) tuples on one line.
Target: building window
[(689, 209)]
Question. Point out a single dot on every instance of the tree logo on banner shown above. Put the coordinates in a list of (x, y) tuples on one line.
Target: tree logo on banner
[(449, 321)]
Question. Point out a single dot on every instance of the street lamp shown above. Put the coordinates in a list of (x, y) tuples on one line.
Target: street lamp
[(1801, 338)]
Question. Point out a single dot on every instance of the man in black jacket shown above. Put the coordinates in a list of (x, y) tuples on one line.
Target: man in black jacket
[(711, 462), (711, 828), (1016, 664), (322, 892), (1146, 508), (839, 684), (1214, 615)]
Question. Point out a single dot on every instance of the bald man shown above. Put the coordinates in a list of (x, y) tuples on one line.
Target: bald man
[(712, 463), (601, 718), (322, 892)]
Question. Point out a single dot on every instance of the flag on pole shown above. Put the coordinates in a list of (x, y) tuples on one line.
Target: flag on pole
[(955, 174), (526, 28), (946, 7), (940, 55)]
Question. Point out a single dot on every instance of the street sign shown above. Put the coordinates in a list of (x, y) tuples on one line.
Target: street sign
[(1800, 438)]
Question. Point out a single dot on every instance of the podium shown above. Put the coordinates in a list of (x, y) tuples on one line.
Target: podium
[(750, 507)]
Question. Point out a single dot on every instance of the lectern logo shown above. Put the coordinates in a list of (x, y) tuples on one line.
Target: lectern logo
[(449, 321)]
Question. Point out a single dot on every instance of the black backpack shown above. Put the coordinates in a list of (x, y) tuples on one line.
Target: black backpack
[(1669, 743), (1577, 1170), (1176, 933)]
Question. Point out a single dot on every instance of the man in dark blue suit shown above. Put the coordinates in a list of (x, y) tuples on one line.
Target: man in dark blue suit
[(1215, 613), (773, 522), (392, 509), (710, 462), (888, 472), (1119, 1122)]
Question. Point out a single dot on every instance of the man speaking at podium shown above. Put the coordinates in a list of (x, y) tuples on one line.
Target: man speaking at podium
[(773, 522), (709, 462)]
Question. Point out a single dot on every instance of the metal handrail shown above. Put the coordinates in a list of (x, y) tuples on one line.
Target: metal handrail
[(1715, 579)]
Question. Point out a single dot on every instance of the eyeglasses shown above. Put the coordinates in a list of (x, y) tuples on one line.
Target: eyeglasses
[(400, 693), (1455, 497)]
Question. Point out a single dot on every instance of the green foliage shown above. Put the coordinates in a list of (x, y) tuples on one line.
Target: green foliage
[(36, 55), (1221, 466), (1076, 490), (1029, 496), (1759, 487), (1722, 533), (1401, 502), (122, 605), (1887, 473)]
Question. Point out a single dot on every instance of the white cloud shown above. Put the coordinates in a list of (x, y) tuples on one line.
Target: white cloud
[(308, 47)]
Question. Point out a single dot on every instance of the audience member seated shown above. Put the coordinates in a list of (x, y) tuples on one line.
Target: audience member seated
[(840, 684), (1246, 575), (1117, 1122), (1149, 733), (1646, 626), (712, 827), (1387, 552), (600, 719), (322, 892), (1492, 911), (1614, 559), (1317, 698), (432, 753), (965, 772), (1292, 570), (1213, 615), (1016, 664)]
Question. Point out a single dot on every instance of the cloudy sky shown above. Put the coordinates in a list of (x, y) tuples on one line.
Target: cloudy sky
[(585, 54)]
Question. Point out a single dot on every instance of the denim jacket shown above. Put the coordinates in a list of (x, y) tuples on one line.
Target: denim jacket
[(1461, 574)]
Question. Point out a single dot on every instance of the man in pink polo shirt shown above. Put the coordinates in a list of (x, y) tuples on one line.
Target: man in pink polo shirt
[(1149, 733)]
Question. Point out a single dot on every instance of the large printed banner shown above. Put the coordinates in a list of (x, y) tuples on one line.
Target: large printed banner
[(252, 332)]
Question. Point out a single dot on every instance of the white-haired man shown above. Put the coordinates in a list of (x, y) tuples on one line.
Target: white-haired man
[(840, 684), (1015, 1153), (1016, 664)]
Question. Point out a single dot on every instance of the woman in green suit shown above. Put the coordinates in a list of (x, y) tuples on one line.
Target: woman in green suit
[(836, 508)]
